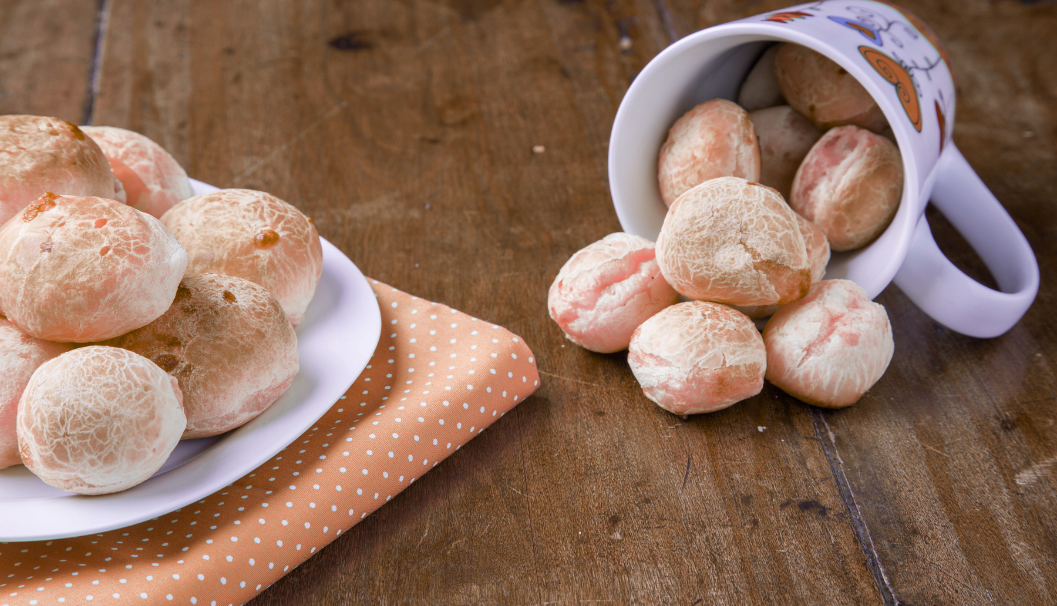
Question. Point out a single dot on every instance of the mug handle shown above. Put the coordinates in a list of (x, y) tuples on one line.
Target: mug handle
[(939, 288)]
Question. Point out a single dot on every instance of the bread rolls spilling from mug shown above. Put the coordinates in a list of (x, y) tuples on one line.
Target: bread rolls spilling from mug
[(742, 249)]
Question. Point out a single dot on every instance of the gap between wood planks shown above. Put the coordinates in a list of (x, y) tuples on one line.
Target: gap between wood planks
[(667, 20), (88, 112), (862, 532)]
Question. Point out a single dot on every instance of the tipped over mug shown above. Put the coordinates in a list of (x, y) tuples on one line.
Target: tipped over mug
[(905, 69)]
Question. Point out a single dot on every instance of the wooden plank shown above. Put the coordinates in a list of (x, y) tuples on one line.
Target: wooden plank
[(407, 131), (952, 459), (144, 73), (46, 51)]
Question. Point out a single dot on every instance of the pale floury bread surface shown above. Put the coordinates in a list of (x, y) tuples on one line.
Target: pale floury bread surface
[(252, 235), (98, 420), (714, 139), (824, 92), (818, 251), (605, 290), (228, 342), (39, 154), (20, 355), (849, 185), (81, 269), (785, 138), (818, 254), (153, 180), (732, 241), (830, 347), (698, 357)]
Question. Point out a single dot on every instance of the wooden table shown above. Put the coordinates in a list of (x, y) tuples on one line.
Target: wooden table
[(407, 131)]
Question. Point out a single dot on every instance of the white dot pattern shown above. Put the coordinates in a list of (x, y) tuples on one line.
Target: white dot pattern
[(225, 548)]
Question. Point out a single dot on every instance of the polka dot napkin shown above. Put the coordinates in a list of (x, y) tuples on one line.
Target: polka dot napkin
[(437, 378)]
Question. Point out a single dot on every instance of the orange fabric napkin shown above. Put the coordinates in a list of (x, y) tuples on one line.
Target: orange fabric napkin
[(437, 378)]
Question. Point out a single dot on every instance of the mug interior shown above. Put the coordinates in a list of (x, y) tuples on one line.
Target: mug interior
[(713, 64)]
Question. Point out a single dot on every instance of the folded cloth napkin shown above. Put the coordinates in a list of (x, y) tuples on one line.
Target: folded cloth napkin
[(437, 378)]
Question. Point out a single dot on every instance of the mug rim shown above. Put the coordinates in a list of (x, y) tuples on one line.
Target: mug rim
[(913, 200)]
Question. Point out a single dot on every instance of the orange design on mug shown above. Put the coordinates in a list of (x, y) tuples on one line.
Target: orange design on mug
[(897, 75), (925, 30), (942, 120), (788, 16)]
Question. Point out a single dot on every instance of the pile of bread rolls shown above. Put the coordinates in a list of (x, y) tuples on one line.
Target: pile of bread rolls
[(759, 192), (134, 314)]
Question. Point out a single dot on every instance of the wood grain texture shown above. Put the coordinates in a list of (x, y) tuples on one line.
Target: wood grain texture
[(46, 53), (406, 130)]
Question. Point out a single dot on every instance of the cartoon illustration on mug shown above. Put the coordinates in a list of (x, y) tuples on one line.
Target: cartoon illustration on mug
[(873, 26), (788, 16), (901, 38), (944, 108), (942, 120), (901, 74), (872, 33), (922, 28), (894, 72)]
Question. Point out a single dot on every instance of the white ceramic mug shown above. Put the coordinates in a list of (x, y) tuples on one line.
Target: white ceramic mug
[(902, 65)]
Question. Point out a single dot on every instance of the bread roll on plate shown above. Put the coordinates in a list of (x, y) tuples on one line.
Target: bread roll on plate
[(252, 235), (98, 420), (229, 344), (39, 154), (84, 269), (153, 180), (20, 355)]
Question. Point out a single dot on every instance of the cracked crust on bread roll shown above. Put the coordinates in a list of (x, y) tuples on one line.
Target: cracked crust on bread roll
[(152, 179), (98, 420), (228, 342), (252, 235), (39, 154), (82, 269)]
